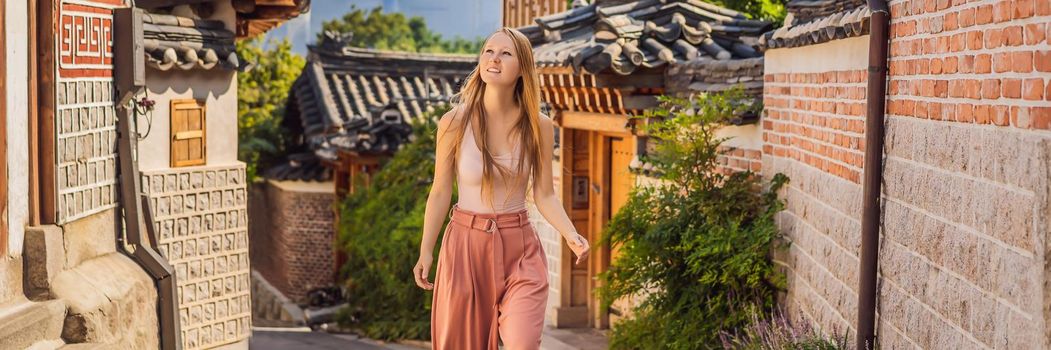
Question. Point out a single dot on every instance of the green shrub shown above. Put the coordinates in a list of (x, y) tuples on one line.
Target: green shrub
[(695, 248), (380, 227)]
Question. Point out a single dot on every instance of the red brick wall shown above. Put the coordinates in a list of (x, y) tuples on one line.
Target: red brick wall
[(817, 118), (292, 235), (976, 62)]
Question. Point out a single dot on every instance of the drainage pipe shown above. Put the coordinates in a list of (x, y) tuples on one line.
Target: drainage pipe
[(139, 231), (873, 172)]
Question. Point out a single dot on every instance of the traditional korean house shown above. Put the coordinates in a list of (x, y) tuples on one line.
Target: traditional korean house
[(350, 109), (188, 158), (602, 62), (128, 227)]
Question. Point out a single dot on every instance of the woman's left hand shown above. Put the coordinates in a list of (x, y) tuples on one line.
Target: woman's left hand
[(579, 245)]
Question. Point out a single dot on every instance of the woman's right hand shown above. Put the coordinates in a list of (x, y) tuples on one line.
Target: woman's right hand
[(421, 270)]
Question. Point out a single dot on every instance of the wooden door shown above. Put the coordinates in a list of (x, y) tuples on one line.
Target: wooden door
[(577, 195), (610, 154), (595, 184), (621, 180), (579, 215)]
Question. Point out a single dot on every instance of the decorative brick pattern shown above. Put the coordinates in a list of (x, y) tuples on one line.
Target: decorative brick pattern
[(293, 235), (200, 216), (85, 118), (966, 179), (86, 149)]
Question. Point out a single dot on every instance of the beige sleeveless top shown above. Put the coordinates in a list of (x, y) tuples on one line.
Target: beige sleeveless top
[(507, 196)]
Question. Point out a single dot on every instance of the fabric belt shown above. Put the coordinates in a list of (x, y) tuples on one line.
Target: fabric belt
[(492, 223)]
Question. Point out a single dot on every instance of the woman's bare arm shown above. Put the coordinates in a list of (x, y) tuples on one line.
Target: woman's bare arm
[(544, 193), (439, 197), (442, 188)]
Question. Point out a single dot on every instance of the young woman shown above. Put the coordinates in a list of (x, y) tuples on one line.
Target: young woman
[(491, 280)]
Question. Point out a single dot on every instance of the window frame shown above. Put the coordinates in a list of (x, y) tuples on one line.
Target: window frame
[(173, 137)]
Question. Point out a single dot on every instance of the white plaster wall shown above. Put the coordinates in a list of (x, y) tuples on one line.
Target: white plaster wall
[(305, 186), (745, 136), (16, 16), (217, 87), (836, 55)]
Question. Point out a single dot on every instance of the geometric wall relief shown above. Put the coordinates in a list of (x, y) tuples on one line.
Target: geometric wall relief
[(86, 147), (200, 215), (85, 119), (85, 46)]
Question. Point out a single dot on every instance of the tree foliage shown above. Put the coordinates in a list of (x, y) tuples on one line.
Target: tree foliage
[(261, 96), (696, 247), (393, 31), (380, 229), (770, 10)]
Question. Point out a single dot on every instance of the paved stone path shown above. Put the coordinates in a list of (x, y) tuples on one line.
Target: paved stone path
[(264, 338), (295, 339)]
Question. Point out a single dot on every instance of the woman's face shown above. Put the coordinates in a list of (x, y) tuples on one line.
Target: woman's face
[(498, 63)]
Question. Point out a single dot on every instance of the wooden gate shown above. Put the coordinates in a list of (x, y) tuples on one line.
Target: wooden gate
[(621, 181)]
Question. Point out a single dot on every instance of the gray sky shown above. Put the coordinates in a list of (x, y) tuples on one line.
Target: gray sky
[(466, 18)]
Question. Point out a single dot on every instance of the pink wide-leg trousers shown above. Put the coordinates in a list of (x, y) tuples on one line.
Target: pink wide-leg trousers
[(491, 283)]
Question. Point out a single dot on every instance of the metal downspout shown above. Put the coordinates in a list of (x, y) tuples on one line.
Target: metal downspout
[(873, 172), (140, 234)]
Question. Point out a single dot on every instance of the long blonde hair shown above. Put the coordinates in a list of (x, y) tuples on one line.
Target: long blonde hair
[(527, 128)]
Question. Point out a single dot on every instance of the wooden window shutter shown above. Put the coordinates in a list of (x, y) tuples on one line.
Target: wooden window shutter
[(187, 133)]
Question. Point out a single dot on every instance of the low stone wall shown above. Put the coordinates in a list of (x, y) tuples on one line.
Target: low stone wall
[(271, 307)]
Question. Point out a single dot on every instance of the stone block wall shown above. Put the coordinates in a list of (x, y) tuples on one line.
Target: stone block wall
[(965, 197), (293, 236), (200, 215), (552, 242)]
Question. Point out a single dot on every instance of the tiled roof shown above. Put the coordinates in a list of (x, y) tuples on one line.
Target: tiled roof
[(363, 100), (644, 33), (817, 21), (708, 74), (301, 167), (173, 42), (808, 10)]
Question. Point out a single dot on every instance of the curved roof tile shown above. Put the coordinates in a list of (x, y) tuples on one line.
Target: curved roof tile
[(816, 21), (645, 33), (173, 42)]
